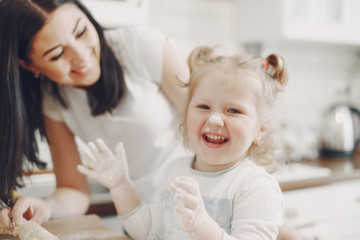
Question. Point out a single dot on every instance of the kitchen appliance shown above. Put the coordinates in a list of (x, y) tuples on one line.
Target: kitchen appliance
[(341, 130)]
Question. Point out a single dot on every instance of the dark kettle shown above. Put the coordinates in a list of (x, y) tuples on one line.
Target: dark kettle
[(341, 130)]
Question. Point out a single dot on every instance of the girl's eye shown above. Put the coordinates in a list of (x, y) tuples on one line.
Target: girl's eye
[(203, 107), (57, 57), (232, 110), (81, 33)]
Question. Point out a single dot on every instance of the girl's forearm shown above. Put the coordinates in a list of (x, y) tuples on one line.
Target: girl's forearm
[(125, 198)]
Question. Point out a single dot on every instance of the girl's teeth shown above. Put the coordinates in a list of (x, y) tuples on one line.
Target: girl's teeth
[(215, 137)]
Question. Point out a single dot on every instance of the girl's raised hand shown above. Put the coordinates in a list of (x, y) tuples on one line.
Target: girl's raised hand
[(108, 169)]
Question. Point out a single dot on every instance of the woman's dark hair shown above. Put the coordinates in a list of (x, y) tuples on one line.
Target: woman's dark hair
[(21, 93)]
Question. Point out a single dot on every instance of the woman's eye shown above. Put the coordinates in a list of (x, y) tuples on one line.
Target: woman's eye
[(81, 33), (203, 107), (57, 57), (232, 110)]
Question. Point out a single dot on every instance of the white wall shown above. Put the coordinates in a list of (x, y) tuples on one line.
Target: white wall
[(317, 71), (195, 22)]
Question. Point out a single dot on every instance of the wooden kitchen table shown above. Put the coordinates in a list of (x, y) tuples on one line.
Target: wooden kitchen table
[(88, 227)]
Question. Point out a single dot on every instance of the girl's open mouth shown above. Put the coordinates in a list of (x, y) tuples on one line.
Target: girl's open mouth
[(214, 139)]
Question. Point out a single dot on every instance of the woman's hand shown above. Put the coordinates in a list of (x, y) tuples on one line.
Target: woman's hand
[(34, 209), (194, 217), (108, 169)]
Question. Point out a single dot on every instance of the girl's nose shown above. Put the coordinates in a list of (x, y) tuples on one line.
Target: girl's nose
[(216, 119)]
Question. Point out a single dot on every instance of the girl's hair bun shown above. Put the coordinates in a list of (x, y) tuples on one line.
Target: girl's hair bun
[(199, 56), (276, 68)]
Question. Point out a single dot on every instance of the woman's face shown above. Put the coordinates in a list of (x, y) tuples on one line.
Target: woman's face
[(67, 48), (222, 122)]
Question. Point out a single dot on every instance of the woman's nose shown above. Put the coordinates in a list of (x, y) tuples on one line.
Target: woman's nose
[(216, 119), (78, 55)]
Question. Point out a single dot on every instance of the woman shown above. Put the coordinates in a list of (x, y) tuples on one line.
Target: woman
[(64, 76)]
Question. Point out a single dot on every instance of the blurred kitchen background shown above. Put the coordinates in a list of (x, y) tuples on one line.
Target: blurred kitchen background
[(320, 40)]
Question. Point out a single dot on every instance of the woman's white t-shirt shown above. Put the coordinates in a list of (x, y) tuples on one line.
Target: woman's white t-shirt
[(144, 120)]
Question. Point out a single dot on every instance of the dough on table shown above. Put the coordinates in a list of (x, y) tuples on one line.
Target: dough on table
[(29, 230)]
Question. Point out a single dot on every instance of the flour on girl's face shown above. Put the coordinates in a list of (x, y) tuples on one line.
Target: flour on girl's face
[(215, 118)]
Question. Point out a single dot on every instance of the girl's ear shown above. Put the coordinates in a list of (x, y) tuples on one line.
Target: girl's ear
[(259, 137), (262, 131), (29, 67)]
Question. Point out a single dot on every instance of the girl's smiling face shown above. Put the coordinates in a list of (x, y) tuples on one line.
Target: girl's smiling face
[(222, 120), (66, 49)]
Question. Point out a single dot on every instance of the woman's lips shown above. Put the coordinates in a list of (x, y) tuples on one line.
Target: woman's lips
[(214, 140), (82, 71)]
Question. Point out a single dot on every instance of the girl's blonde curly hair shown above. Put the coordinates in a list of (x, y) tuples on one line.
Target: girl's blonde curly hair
[(272, 74)]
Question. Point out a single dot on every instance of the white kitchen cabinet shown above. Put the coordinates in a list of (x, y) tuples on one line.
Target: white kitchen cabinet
[(333, 21), (325, 212), (114, 13)]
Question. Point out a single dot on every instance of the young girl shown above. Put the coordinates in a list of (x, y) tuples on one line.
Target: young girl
[(220, 192)]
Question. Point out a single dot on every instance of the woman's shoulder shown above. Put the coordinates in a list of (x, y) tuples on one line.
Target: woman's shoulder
[(132, 34), (138, 48)]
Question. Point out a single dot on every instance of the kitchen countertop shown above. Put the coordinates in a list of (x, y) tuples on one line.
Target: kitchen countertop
[(325, 171), (341, 169)]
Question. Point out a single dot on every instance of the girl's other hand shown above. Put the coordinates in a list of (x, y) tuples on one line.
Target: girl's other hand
[(30, 208), (191, 209), (190, 206)]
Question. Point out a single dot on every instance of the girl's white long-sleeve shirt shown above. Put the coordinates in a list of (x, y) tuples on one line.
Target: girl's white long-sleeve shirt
[(244, 200)]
